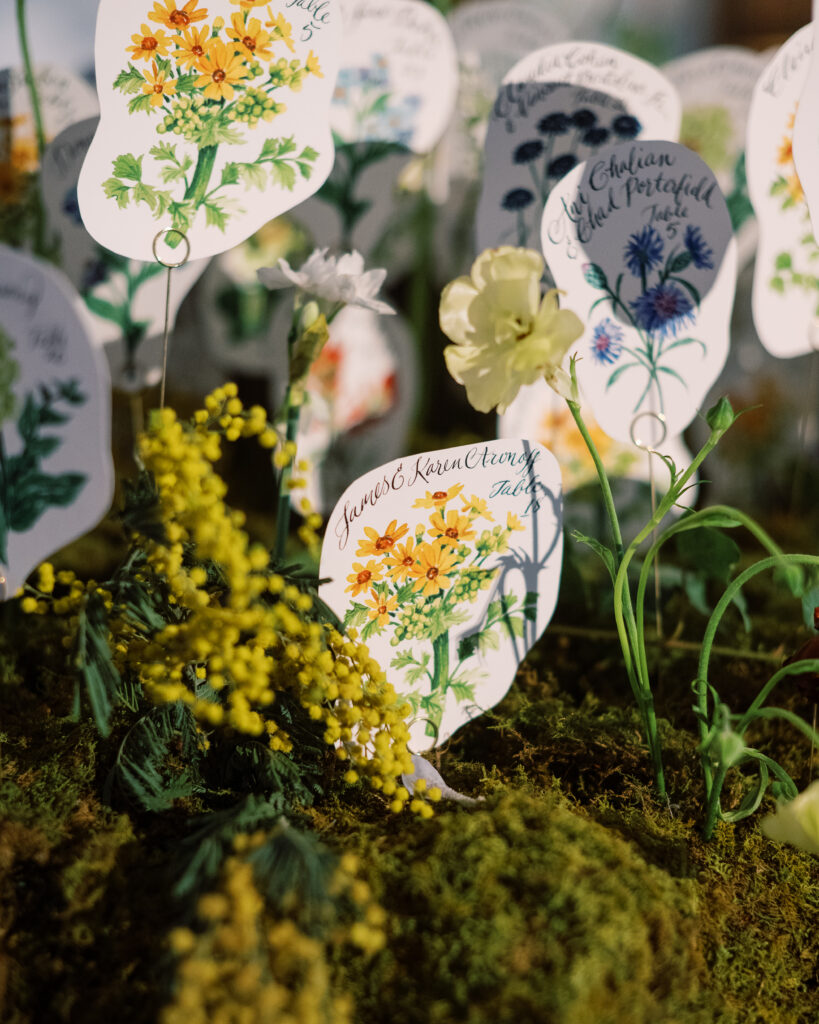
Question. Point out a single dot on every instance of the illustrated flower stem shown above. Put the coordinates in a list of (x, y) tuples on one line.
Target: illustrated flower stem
[(292, 411), (196, 191), (31, 84), (440, 663)]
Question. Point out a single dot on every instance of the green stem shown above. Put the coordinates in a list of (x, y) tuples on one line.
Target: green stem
[(198, 187), (31, 84), (440, 664), (807, 665), (292, 413), (608, 498), (712, 809)]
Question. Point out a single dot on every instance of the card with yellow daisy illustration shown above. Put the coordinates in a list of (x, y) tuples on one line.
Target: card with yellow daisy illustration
[(448, 564), (56, 474), (785, 298), (214, 119)]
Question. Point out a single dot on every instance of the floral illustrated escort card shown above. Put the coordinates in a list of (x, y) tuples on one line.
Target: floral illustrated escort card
[(556, 108), (215, 118), (448, 564), (64, 99), (641, 238), (126, 298), (806, 132), (716, 86), (786, 283), (56, 476)]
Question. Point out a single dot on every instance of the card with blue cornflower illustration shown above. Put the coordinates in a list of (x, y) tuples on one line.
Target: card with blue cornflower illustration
[(214, 119), (554, 109), (126, 298), (715, 86), (64, 98), (785, 299), (448, 564), (56, 474), (641, 240)]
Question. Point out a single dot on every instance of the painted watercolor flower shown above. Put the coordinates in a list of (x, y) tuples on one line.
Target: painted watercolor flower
[(378, 543), (663, 309), (584, 118), (175, 17), (561, 165), (453, 530), (517, 199), (797, 821), (149, 43), (400, 559), (363, 576), (220, 69), (435, 499), (478, 507), (251, 39), (607, 342), (596, 136), (191, 46), (556, 123), (280, 28), (434, 569), (504, 334), (643, 251), (157, 86), (626, 127), (335, 279), (702, 256), (528, 151), (379, 608)]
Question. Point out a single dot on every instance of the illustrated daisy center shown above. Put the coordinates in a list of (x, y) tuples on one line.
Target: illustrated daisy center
[(431, 573), (451, 532), (439, 495), (179, 18), (149, 43), (382, 609), (249, 43), (198, 50), (218, 75), (158, 87), (384, 542), (363, 576), (409, 560)]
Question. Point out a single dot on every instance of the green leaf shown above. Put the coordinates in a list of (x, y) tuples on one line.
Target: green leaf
[(695, 295), (708, 551), (371, 628), (605, 554), (777, 284), (163, 64), (356, 615), (186, 83), (253, 176), (672, 373), (163, 151), (172, 173), (215, 216), (686, 341), (116, 189), (462, 691), (680, 262), (277, 147), (595, 276), (128, 166), (107, 310), (783, 261), (140, 103), (230, 174), (145, 194), (36, 492), (214, 132), (308, 153), (283, 174), (618, 373), (129, 81)]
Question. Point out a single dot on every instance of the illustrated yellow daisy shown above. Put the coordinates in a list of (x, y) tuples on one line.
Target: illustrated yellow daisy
[(433, 568), (222, 67), (795, 190), (363, 576), (435, 499), (513, 523), (149, 43), (784, 154), (379, 543), (191, 46), (379, 608), (453, 530), (477, 507), (251, 38), (312, 66), (400, 560), (170, 15), (281, 29), (156, 85)]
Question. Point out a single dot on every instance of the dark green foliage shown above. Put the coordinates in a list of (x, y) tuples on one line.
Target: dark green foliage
[(95, 667)]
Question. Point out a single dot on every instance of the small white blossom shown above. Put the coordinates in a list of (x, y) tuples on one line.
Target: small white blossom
[(797, 821), (336, 279)]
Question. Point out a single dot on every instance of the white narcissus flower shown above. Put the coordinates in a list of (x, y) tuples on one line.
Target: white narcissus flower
[(335, 279), (797, 821), (504, 334)]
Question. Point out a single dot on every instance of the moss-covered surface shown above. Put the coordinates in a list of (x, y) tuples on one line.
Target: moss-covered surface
[(569, 894)]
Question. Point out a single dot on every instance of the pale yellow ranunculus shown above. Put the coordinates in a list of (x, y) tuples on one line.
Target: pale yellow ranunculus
[(504, 334), (797, 821)]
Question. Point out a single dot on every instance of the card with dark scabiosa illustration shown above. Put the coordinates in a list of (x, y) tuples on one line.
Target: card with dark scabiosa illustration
[(642, 236)]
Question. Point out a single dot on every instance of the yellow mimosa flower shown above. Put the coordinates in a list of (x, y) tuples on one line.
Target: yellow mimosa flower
[(222, 67), (379, 608), (380, 543), (504, 334), (251, 38), (453, 530), (168, 13), (431, 571), (156, 85), (280, 28), (148, 44), (435, 499), (191, 46)]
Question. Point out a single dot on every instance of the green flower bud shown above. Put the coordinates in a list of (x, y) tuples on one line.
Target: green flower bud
[(720, 416)]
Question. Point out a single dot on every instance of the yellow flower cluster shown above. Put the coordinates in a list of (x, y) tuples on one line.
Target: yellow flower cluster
[(244, 968)]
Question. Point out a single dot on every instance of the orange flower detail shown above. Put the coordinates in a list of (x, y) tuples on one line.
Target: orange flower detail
[(435, 499), (363, 576), (156, 85), (380, 608), (175, 17), (452, 530), (148, 44), (380, 543), (433, 568), (192, 46)]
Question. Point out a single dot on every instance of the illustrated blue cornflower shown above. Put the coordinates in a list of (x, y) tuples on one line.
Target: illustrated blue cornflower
[(643, 251), (596, 136), (626, 127), (561, 165), (526, 152), (607, 342), (517, 199), (663, 309), (584, 118), (554, 124), (702, 256)]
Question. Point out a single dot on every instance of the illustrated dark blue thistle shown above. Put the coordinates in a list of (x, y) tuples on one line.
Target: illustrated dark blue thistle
[(554, 124), (584, 118), (526, 152), (561, 165), (702, 256), (663, 310), (626, 127), (595, 136), (517, 199), (643, 251)]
